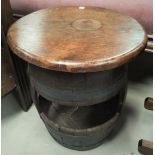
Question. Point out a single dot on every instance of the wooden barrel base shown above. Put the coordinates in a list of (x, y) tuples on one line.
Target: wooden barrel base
[(79, 110), (82, 148)]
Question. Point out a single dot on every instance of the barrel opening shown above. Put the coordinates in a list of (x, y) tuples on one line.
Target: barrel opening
[(79, 117)]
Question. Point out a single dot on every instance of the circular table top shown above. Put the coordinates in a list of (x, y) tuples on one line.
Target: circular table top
[(76, 39)]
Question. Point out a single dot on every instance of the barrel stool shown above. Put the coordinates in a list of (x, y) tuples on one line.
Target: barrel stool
[(78, 59)]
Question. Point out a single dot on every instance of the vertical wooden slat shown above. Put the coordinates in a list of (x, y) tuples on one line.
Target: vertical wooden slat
[(19, 66)]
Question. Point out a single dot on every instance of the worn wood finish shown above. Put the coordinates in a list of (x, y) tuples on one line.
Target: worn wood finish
[(78, 127), (78, 89), (77, 39), (86, 126)]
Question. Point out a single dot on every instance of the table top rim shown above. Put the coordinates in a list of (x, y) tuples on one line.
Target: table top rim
[(77, 67)]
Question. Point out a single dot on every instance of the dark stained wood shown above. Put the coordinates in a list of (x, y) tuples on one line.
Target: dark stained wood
[(80, 89), (148, 104), (149, 47), (11, 74), (77, 39), (145, 147), (7, 78), (7, 19)]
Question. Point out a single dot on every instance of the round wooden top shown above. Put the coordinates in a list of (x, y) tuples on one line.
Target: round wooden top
[(76, 39)]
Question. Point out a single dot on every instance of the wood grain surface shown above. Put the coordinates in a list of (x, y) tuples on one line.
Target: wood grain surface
[(77, 39)]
